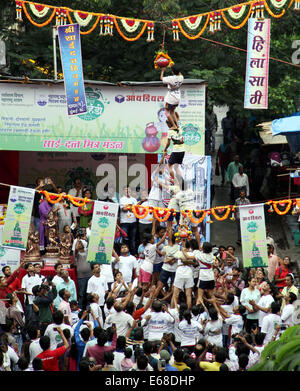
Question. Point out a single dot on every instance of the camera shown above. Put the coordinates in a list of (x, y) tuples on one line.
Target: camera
[(161, 364)]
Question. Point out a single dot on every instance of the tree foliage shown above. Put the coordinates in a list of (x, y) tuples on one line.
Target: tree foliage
[(114, 59)]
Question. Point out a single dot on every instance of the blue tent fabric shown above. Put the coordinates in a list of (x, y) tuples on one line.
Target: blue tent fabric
[(289, 127)]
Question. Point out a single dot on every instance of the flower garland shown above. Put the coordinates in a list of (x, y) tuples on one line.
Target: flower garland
[(244, 21), (161, 214), (193, 219), (84, 22), (189, 36), (282, 203), (35, 23), (136, 211), (272, 13), (226, 214), (141, 30)]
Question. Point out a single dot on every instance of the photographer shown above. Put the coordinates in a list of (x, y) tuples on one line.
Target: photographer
[(44, 296)]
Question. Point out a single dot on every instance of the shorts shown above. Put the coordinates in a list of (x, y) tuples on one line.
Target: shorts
[(183, 282), (157, 267), (176, 158), (144, 277), (165, 275), (169, 106), (206, 284), (173, 204), (156, 203)]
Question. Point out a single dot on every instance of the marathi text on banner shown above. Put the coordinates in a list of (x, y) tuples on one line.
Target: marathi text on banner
[(70, 52), (257, 68), (253, 234), (18, 216), (102, 235), (8, 256)]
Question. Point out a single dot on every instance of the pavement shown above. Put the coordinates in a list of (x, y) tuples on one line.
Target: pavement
[(281, 227)]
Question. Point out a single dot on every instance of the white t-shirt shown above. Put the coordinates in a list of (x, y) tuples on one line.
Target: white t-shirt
[(287, 314), (177, 140), (186, 199), (126, 265), (155, 192), (34, 350), (210, 328), (173, 327), (206, 261), (57, 280), (237, 323), (106, 271), (97, 312), (182, 271), (74, 208), (85, 245), (128, 216), (190, 333), (268, 326), (158, 325), (108, 312), (170, 252), (97, 285), (159, 258), (122, 321), (28, 282), (150, 255), (53, 334), (174, 83), (148, 218), (264, 302)]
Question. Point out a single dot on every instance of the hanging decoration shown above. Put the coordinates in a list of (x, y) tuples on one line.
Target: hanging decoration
[(140, 212), (163, 60), (161, 214), (131, 29), (217, 211)]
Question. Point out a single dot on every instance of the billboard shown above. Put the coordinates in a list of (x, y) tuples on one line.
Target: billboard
[(128, 119)]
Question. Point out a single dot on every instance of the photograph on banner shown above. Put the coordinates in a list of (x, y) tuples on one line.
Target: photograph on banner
[(70, 54), (257, 68), (253, 234), (130, 119), (196, 173), (8, 256), (102, 236), (18, 216), (104, 174)]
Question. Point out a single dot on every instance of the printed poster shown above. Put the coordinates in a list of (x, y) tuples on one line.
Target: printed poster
[(253, 234), (128, 119), (70, 53), (257, 68), (102, 235), (8, 256), (18, 216)]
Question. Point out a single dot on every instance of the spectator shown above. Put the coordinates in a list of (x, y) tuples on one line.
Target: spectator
[(86, 211), (242, 200), (240, 182), (68, 284), (127, 218)]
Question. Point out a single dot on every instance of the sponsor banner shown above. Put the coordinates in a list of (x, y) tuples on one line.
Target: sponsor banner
[(8, 256), (253, 233), (257, 68), (18, 216), (118, 120), (101, 241), (70, 53), (196, 173)]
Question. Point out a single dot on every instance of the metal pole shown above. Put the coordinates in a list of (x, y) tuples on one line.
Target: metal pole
[(54, 52)]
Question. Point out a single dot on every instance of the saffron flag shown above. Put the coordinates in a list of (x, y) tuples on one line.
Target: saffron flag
[(70, 53), (257, 69), (253, 234)]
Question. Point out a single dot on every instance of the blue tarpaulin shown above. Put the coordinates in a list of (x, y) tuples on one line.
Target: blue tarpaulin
[(289, 127)]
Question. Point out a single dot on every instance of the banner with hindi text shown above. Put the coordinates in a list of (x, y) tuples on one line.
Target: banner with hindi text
[(18, 217), (70, 53), (253, 234), (257, 69), (101, 241)]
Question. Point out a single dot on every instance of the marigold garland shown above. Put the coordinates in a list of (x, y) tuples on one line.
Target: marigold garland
[(136, 211), (127, 38), (164, 55), (197, 35), (51, 197), (224, 217), (240, 25), (197, 221), (287, 208), (272, 13), (88, 31), (33, 22), (164, 217)]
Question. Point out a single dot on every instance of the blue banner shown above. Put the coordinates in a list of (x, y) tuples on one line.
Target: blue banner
[(70, 53)]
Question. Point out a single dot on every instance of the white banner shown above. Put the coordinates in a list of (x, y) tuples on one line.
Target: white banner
[(253, 234), (257, 68), (8, 257)]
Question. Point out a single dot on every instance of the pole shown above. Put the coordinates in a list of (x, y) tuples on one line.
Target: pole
[(54, 34)]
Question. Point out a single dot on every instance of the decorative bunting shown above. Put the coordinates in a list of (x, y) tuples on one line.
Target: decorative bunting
[(192, 27)]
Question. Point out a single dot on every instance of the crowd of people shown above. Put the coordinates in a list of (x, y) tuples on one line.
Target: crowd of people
[(171, 304)]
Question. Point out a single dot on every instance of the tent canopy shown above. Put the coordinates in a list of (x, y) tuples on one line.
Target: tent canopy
[(290, 127)]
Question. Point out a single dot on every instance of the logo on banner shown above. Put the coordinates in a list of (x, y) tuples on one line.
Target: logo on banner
[(103, 222), (42, 100), (19, 208), (252, 227), (95, 104), (191, 134)]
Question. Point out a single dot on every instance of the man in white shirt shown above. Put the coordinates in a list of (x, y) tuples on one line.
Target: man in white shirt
[(57, 279), (264, 303), (126, 264), (172, 98), (98, 284), (52, 332), (145, 224), (288, 310), (240, 182), (270, 321), (64, 306), (28, 282), (76, 191), (158, 321), (127, 218), (122, 320)]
